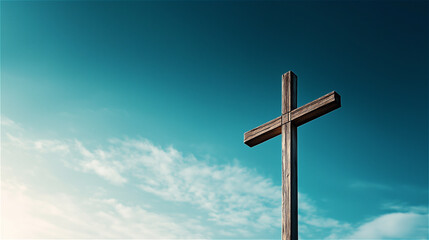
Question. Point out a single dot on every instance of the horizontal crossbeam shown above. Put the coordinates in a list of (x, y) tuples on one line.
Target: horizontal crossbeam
[(263, 132), (315, 109), (298, 116)]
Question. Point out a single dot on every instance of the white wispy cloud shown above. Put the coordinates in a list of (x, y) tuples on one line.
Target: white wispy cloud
[(27, 214), (408, 225), (236, 201), (404, 208), (232, 195), (312, 224), (106, 171), (9, 123), (51, 146)]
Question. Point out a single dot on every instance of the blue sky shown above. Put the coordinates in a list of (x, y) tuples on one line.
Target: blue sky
[(126, 119)]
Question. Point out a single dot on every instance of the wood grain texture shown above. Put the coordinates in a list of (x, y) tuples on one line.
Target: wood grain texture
[(289, 87), (298, 116), (289, 159), (289, 182), (263, 132), (315, 109)]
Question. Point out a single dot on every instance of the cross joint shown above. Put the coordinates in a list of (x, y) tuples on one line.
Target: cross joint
[(286, 118)]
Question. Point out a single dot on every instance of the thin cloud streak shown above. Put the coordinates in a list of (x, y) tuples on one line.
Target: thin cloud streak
[(370, 185)]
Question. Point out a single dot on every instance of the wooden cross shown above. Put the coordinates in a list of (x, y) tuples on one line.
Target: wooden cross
[(286, 125)]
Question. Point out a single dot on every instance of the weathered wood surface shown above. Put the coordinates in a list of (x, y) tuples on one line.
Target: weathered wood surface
[(316, 108), (298, 116), (263, 132), (289, 182), (289, 160), (289, 86)]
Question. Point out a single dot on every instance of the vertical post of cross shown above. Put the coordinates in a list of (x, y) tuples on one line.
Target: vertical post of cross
[(289, 159)]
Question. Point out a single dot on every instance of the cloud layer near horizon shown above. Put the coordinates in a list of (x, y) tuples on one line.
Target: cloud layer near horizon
[(232, 201)]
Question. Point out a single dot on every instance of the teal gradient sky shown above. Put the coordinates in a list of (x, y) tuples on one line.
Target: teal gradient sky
[(192, 77)]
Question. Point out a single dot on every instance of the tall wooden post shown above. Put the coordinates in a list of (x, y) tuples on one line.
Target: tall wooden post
[(289, 159)]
